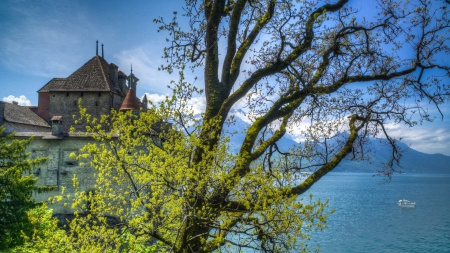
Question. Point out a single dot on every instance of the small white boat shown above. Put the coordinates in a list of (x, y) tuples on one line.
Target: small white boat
[(406, 203)]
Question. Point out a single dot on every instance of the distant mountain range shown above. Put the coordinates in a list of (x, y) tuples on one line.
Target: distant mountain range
[(412, 161)]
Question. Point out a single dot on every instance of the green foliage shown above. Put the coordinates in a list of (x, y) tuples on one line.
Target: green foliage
[(150, 196), (15, 189), (46, 236), (166, 181)]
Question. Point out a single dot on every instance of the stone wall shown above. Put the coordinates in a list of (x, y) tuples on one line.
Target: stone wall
[(117, 101), (65, 104), (60, 169)]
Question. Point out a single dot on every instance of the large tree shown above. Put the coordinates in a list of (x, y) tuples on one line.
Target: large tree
[(317, 61), (323, 66)]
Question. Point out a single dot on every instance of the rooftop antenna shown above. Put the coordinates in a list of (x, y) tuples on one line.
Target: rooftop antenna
[(102, 51), (96, 50)]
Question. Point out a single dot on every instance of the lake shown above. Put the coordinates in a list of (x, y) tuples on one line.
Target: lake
[(367, 218)]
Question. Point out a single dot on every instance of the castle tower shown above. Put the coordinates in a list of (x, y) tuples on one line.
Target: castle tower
[(96, 83), (132, 81), (145, 102), (131, 101)]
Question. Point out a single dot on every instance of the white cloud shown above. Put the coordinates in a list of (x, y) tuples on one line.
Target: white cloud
[(155, 98), (243, 116), (22, 100), (430, 139), (426, 139), (295, 130), (198, 104)]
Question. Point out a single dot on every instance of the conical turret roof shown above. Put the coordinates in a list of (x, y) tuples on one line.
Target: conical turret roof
[(130, 102)]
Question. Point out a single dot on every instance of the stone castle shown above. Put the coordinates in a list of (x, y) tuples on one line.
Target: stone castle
[(101, 87)]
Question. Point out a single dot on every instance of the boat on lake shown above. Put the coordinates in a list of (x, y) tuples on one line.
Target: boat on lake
[(406, 203)]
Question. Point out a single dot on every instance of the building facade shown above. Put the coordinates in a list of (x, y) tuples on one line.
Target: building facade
[(102, 87)]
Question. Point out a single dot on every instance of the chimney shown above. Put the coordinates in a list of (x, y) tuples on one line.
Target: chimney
[(114, 75), (122, 81), (102, 52), (57, 128), (15, 102), (96, 49)]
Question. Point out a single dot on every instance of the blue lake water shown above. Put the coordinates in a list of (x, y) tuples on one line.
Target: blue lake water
[(367, 218)]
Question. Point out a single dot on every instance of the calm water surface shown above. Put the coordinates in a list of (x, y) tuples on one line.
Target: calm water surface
[(367, 218)]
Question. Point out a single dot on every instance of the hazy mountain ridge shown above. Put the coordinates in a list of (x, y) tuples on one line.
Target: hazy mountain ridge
[(412, 161)]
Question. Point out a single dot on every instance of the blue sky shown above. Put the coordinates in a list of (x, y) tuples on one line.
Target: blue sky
[(45, 39)]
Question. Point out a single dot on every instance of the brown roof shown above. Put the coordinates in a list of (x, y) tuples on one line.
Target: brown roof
[(23, 115), (54, 84), (130, 102), (56, 118), (92, 76)]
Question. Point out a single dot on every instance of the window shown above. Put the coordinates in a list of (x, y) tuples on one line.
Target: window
[(99, 94), (81, 94), (67, 93)]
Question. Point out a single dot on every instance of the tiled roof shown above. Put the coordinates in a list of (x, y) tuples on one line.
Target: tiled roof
[(54, 84), (130, 102), (92, 76), (49, 135), (23, 115)]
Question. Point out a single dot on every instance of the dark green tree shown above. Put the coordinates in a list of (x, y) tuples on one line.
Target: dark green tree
[(15, 189)]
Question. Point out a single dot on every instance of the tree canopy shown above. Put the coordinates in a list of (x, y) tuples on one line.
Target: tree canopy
[(15, 189), (323, 66), (347, 74)]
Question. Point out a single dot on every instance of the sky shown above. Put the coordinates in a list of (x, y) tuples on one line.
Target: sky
[(43, 39)]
